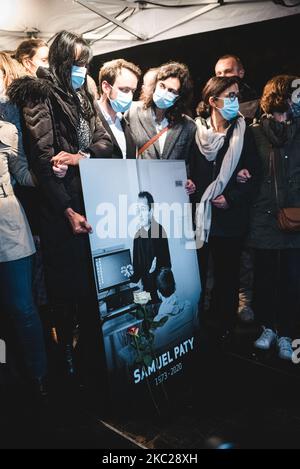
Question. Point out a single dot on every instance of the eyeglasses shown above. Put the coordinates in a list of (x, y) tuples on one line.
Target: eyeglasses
[(231, 95)]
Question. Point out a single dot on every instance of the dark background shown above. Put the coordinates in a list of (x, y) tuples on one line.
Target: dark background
[(266, 49)]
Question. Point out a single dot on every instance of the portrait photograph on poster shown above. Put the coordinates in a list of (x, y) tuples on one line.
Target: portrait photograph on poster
[(145, 268)]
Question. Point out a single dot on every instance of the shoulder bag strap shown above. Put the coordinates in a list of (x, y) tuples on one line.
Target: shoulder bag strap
[(273, 170), (151, 141)]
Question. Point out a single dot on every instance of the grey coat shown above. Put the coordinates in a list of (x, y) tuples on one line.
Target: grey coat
[(264, 230), (15, 237), (179, 144)]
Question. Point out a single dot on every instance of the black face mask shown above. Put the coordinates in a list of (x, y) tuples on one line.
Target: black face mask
[(278, 133)]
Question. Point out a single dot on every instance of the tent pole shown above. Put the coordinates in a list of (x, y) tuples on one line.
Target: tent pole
[(110, 18), (186, 18)]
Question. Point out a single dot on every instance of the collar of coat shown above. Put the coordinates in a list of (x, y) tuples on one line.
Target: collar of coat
[(35, 90)]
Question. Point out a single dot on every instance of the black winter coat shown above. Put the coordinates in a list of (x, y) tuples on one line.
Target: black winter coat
[(49, 118)]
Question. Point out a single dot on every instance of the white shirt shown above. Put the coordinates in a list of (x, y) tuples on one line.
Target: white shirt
[(159, 127), (179, 324), (116, 128)]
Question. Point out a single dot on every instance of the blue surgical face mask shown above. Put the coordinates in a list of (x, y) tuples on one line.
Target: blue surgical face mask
[(78, 75), (230, 109), (122, 102), (164, 99)]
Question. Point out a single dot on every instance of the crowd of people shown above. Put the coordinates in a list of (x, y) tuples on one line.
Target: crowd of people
[(242, 154)]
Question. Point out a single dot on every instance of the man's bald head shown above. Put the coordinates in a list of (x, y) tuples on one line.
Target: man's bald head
[(229, 66)]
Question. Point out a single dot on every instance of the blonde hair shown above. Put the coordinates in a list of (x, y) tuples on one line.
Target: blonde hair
[(11, 69)]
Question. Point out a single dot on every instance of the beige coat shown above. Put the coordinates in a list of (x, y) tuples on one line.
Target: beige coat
[(15, 237)]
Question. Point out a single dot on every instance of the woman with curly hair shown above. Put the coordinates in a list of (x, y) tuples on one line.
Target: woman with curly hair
[(159, 122), (277, 253)]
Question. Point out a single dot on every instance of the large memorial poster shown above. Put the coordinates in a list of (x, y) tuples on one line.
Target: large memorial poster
[(145, 267)]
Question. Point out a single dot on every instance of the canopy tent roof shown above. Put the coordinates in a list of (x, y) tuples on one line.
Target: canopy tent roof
[(116, 24)]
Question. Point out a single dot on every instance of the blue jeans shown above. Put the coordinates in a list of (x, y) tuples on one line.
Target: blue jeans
[(16, 299)]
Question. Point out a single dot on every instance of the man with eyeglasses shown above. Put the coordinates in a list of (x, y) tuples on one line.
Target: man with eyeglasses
[(118, 81)]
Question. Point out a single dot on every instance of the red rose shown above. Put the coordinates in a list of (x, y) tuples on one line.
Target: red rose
[(133, 331)]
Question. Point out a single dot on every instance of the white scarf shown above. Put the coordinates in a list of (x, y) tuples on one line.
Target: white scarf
[(209, 143)]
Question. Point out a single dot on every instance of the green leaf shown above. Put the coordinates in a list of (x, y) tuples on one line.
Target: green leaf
[(139, 314)]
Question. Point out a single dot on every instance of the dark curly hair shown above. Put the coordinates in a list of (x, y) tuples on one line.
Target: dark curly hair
[(276, 94), (213, 88), (182, 106)]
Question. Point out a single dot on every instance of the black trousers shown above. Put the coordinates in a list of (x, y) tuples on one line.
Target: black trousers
[(276, 289), (226, 254)]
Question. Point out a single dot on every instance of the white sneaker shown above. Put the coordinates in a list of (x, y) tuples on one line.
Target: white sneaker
[(285, 350), (267, 338)]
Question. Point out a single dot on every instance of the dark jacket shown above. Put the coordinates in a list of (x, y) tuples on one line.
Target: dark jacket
[(265, 233), (246, 92), (49, 119), (233, 221), (130, 144), (146, 246), (249, 102)]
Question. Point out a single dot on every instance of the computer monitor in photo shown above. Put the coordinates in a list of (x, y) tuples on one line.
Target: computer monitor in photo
[(112, 269)]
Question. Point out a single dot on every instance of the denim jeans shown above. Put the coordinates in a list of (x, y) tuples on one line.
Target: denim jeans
[(16, 300)]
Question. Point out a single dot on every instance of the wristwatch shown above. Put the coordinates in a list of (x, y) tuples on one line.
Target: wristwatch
[(84, 154)]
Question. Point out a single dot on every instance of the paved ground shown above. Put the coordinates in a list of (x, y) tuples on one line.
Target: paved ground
[(229, 393)]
